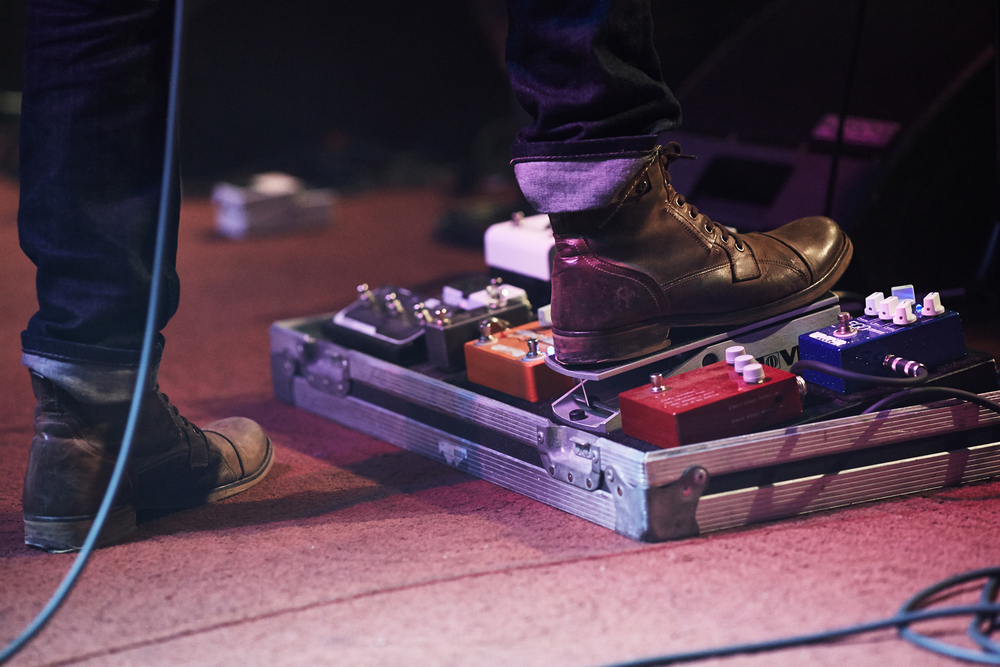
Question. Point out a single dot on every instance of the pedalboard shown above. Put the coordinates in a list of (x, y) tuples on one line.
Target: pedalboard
[(664, 447)]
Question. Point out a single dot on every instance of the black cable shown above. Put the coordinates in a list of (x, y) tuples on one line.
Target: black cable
[(947, 392), (69, 581), (913, 611), (989, 652), (836, 371)]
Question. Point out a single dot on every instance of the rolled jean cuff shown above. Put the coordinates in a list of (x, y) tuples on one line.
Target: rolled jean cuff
[(93, 384), (82, 353), (558, 177)]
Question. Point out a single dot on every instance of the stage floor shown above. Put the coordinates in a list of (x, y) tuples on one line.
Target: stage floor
[(354, 552)]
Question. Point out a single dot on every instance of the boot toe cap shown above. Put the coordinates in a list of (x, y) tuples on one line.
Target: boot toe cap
[(250, 449), (819, 241)]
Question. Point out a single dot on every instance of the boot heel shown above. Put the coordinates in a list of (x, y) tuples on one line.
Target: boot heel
[(596, 347), (62, 535)]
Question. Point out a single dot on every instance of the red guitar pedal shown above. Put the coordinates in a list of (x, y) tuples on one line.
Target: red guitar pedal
[(512, 360), (709, 403)]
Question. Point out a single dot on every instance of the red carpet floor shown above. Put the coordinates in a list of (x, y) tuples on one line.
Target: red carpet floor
[(356, 553)]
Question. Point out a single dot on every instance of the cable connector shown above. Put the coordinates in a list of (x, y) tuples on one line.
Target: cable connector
[(904, 366)]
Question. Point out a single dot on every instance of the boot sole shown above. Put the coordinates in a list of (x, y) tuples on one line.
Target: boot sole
[(61, 535), (643, 338), (67, 534), (218, 493)]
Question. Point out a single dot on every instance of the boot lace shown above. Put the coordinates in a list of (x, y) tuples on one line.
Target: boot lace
[(198, 444), (668, 155)]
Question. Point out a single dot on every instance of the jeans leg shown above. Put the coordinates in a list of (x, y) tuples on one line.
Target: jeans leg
[(92, 139), (586, 70)]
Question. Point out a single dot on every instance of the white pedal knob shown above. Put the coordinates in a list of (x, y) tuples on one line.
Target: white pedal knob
[(932, 305), (742, 361), (733, 352), (871, 303), (904, 313), (887, 308), (753, 373)]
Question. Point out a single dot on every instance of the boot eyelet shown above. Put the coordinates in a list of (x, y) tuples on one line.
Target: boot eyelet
[(643, 186), (679, 202), (708, 230), (693, 215), (740, 247)]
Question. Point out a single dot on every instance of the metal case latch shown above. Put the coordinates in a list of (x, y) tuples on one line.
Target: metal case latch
[(329, 373), (571, 456)]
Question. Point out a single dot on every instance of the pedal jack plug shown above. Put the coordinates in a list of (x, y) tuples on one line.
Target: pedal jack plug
[(904, 366)]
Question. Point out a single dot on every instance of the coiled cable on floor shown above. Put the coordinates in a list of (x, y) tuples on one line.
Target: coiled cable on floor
[(69, 581), (985, 619)]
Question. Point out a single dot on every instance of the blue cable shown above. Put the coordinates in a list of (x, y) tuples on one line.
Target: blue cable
[(69, 581)]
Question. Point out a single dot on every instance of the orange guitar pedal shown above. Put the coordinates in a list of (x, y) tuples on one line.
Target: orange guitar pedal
[(512, 360)]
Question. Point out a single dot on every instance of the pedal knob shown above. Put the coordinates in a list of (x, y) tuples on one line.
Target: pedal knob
[(871, 303), (742, 361), (904, 313), (657, 380), (887, 308), (733, 352), (932, 305), (753, 373)]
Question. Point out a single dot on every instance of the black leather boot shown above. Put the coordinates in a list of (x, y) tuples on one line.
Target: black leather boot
[(173, 464), (624, 274)]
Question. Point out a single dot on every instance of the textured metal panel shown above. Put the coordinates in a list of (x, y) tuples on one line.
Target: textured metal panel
[(455, 401), (803, 442), (820, 492), (488, 464)]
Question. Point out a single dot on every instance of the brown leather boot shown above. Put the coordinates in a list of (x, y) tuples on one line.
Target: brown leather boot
[(623, 275), (173, 465)]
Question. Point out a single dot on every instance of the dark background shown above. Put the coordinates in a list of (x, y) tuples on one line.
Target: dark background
[(360, 95)]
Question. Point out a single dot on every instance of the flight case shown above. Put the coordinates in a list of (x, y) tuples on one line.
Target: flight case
[(621, 483)]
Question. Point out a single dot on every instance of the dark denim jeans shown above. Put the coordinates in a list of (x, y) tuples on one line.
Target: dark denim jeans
[(93, 127)]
